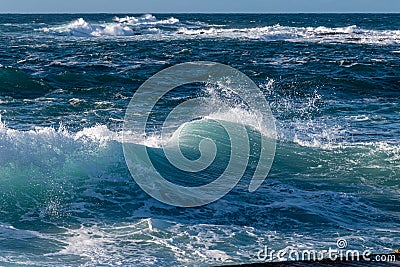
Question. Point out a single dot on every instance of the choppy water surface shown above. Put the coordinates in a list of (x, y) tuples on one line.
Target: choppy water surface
[(67, 197)]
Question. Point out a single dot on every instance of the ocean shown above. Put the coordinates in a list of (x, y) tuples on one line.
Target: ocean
[(69, 198)]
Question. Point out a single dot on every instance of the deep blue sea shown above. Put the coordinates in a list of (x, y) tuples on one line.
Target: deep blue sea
[(67, 196)]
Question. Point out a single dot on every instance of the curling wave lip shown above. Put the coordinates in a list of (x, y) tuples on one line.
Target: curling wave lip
[(149, 94)]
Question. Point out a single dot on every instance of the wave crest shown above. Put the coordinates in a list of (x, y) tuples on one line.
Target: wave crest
[(125, 26), (149, 26)]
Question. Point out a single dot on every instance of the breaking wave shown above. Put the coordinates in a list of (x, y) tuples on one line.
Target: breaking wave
[(149, 26), (125, 26)]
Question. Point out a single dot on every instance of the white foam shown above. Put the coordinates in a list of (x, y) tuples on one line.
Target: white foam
[(149, 26), (233, 112), (147, 19), (82, 28), (349, 34), (120, 27)]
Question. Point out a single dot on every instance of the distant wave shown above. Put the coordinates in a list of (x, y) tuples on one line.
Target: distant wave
[(147, 19), (148, 26), (126, 26), (349, 34)]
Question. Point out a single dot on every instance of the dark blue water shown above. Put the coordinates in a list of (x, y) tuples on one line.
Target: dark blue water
[(66, 194)]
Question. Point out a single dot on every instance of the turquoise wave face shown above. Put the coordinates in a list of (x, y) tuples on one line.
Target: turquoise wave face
[(188, 142), (190, 137)]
